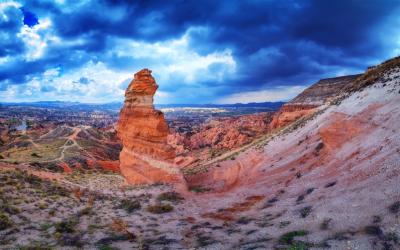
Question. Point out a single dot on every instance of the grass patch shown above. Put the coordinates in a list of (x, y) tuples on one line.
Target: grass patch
[(299, 245), (288, 238)]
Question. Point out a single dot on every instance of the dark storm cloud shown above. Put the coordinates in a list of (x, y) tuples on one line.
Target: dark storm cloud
[(272, 42), (30, 19)]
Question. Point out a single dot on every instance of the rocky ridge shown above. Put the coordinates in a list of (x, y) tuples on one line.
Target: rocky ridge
[(311, 98)]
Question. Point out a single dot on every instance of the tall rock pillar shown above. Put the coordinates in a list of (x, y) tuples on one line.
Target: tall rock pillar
[(146, 157)]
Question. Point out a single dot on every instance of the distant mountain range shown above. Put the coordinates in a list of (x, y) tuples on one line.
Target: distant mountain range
[(118, 105)]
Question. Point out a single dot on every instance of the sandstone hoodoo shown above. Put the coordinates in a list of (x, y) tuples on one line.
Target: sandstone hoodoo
[(146, 157)]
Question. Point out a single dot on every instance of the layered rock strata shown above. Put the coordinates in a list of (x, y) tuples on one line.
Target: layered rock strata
[(310, 99), (146, 157)]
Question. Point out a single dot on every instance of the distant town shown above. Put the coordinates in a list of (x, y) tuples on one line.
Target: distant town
[(180, 117)]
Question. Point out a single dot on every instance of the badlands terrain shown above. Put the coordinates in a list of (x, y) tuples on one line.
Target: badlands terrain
[(323, 172)]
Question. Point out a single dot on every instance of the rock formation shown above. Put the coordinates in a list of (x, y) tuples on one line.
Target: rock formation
[(146, 157), (311, 98)]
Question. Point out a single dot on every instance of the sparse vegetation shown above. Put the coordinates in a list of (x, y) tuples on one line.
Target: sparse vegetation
[(170, 196), (373, 75)]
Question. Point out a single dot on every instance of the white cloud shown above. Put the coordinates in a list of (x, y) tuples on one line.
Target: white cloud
[(281, 93), (6, 4), (104, 86), (174, 65), (37, 38), (174, 59)]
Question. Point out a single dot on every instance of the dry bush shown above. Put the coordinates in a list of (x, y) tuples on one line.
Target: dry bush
[(119, 225)]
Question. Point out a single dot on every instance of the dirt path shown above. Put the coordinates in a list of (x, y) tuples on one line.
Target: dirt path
[(71, 142)]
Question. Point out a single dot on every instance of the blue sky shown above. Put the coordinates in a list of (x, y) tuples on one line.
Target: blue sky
[(200, 51)]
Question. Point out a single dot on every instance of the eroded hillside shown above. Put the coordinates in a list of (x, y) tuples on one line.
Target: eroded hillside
[(329, 180)]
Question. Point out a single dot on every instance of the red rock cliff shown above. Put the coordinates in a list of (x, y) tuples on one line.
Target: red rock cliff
[(146, 157)]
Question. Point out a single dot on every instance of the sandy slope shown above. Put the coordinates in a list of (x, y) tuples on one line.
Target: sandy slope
[(354, 147)]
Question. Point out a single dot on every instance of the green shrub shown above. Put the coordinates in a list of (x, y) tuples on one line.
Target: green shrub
[(67, 226), (305, 211), (325, 224), (244, 220), (310, 190), (160, 208), (283, 224), (170, 196), (5, 221), (287, 238), (35, 155), (373, 230), (129, 205), (395, 207), (199, 189), (299, 245)]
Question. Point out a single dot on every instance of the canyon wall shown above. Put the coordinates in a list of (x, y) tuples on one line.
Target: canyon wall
[(146, 157)]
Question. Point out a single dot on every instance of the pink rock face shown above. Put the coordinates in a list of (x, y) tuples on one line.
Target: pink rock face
[(222, 133), (146, 157), (290, 113)]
